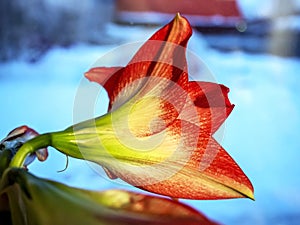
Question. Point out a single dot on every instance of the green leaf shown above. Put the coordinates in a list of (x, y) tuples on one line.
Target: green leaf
[(36, 201)]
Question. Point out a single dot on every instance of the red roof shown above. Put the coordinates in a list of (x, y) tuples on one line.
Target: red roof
[(199, 11)]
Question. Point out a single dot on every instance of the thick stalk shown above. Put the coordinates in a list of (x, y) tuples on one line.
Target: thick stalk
[(30, 146)]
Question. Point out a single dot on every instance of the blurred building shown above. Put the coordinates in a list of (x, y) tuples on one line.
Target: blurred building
[(28, 29), (201, 13)]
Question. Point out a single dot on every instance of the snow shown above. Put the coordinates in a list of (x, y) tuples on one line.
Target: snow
[(255, 8), (262, 133), (267, 8), (287, 23)]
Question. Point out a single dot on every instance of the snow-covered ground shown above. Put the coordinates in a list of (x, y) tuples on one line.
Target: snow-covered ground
[(267, 8), (262, 133)]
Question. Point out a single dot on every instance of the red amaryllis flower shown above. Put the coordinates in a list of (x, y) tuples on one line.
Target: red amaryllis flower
[(154, 88)]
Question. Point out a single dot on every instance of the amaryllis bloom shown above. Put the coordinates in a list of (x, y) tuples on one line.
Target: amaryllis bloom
[(158, 132), (26, 199)]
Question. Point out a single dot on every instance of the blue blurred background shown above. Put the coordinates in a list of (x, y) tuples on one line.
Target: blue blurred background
[(47, 45)]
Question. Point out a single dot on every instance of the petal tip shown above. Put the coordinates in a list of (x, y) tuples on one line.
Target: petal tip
[(248, 191), (250, 195), (177, 16), (88, 75)]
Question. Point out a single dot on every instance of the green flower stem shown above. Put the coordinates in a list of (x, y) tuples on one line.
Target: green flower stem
[(30, 146)]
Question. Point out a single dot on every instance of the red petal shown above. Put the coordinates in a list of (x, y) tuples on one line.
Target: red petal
[(107, 77), (102, 75), (210, 173), (224, 168), (163, 55), (212, 104)]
